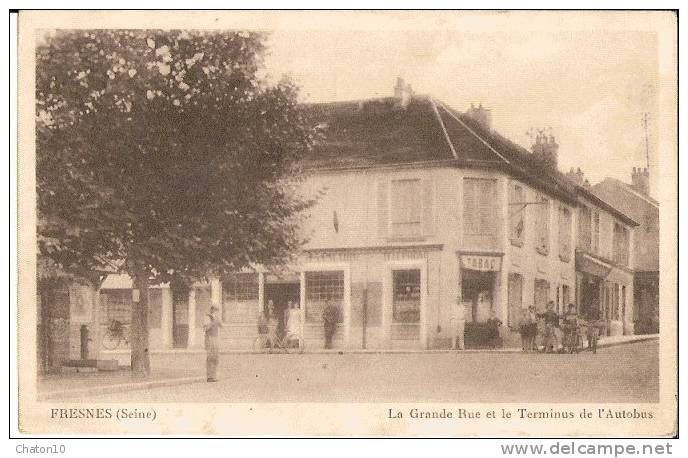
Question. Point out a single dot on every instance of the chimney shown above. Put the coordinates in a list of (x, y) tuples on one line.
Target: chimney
[(576, 176), (403, 93), (640, 180), (546, 149), (482, 116)]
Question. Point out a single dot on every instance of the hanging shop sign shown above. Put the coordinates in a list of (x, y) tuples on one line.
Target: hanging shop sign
[(481, 263)]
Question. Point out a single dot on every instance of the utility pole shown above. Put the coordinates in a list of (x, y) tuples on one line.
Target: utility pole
[(644, 119)]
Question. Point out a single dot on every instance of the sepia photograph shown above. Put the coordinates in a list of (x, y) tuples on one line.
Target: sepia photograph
[(380, 223)]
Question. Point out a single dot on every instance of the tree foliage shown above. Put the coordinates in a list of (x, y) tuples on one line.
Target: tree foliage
[(165, 154), (166, 149)]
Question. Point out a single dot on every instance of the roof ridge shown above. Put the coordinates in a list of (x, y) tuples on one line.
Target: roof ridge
[(444, 129), (485, 142)]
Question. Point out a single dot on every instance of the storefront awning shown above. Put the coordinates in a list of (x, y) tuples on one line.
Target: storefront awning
[(588, 264)]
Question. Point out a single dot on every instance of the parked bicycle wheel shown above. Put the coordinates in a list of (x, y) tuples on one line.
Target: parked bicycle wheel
[(280, 343), (261, 343)]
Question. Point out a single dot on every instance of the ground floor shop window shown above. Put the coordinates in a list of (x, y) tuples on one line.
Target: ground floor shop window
[(406, 291), (406, 303), (116, 304), (240, 298), (323, 288)]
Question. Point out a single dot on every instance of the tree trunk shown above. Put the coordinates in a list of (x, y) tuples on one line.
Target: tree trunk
[(140, 356)]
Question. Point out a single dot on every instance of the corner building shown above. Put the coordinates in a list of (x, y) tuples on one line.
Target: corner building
[(427, 222)]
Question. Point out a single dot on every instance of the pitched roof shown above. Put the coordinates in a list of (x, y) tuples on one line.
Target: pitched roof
[(624, 197), (374, 132), (377, 132)]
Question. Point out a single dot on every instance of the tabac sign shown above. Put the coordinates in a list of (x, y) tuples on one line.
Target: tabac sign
[(481, 262)]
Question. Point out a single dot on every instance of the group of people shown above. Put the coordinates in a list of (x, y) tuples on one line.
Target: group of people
[(289, 327), (557, 332)]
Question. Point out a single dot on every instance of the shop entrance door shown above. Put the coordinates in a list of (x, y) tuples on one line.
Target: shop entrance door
[(590, 297), (281, 294), (476, 290)]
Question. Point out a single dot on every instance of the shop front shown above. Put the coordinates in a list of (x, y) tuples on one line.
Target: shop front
[(592, 294), (479, 280), (604, 292)]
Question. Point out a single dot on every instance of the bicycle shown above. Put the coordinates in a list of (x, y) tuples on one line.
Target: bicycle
[(272, 340), (573, 340), (114, 336)]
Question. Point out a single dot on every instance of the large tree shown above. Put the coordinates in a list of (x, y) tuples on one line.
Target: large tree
[(166, 154)]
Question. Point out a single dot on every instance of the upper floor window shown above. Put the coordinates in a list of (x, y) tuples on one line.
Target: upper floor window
[(584, 228), (479, 206), (517, 214), (406, 208), (542, 225), (564, 234), (621, 242)]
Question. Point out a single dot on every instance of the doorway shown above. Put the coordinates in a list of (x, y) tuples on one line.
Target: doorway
[(180, 317), (590, 297), (476, 291), (280, 293)]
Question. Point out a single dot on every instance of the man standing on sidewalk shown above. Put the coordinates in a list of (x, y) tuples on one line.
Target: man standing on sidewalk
[(330, 319), (212, 325)]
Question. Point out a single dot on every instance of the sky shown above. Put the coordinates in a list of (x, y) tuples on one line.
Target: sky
[(590, 87)]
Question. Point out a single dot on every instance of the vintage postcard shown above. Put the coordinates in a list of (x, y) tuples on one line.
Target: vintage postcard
[(348, 223)]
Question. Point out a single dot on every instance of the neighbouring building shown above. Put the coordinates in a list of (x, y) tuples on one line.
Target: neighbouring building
[(634, 200), (429, 221), (604, 260)]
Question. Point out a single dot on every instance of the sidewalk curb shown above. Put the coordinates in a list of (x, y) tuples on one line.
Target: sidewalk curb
[(134, 386), (600, 344), (118, 388), (643, 338)]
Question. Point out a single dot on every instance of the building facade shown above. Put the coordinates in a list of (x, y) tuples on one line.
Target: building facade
[(428, 224), (604, 276), (634, 200)]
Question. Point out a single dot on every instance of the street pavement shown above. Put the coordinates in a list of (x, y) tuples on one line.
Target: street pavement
[(624, 374)]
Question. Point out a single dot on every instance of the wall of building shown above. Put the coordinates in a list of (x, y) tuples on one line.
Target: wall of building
[(617, 286), (551, 266), (645, 211), (351, 229)]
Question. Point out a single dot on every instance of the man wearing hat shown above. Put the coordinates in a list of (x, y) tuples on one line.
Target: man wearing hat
[(212, 325)]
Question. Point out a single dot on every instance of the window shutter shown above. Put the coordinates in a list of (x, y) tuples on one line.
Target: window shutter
[(428, 207), (382, 209), (486, 201), (469, 215)]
